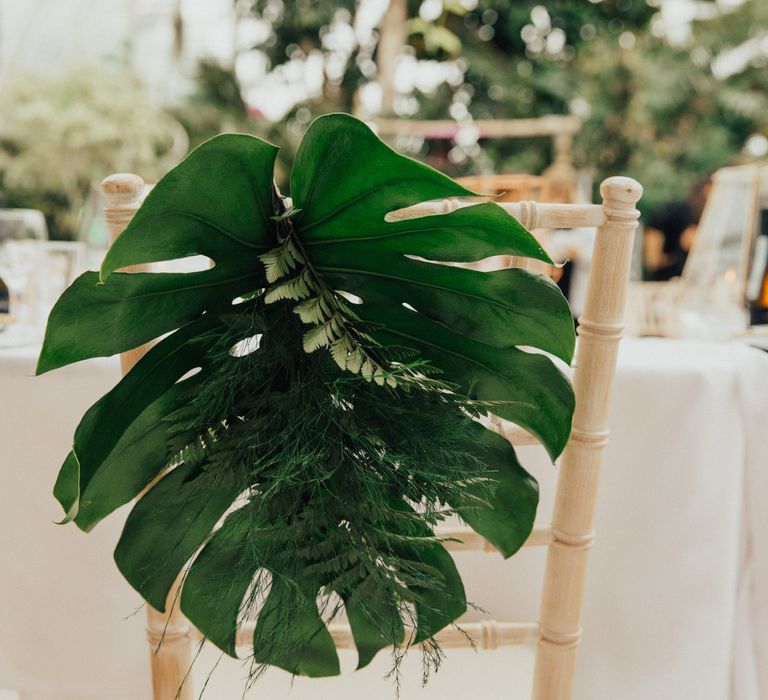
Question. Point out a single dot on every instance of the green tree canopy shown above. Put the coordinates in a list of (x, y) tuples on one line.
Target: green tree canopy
[(662, 111)]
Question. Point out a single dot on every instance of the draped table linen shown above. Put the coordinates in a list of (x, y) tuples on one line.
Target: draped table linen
[(677, 592)]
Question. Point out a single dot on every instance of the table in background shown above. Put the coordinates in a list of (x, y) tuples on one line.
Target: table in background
[(677, 594)]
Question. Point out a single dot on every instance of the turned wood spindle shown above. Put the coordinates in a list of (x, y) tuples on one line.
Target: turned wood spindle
[(169, 634), (600, 329)]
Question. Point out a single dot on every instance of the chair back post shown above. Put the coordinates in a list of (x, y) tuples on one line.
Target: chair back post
[(123, 194), (600, 329), (169, 635)]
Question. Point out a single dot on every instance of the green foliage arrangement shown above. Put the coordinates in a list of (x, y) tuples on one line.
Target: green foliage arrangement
[(332, 419)]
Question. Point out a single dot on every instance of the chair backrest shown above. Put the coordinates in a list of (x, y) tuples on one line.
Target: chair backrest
[(600, 328), (560, 174), (512, 187), (569, 538)]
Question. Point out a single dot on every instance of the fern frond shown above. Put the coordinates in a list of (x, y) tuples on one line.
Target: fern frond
[(380, 377), (315, 338), (368, 369), (275, 264), (339, 352), (317, 449), (295, 289), (320, 336), (313, 310), (355, 360), (281, 261)]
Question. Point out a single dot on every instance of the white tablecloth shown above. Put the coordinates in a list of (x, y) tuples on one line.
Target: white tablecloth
[(677, 601)]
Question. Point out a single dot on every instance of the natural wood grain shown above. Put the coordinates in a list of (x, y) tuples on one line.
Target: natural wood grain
[(488, 634), (169, 634), (532, 215), (512, 187), (465, 539), (393, 36), (600, 329), (549, 125)]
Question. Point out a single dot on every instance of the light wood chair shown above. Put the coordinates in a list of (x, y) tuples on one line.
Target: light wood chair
[(560, 175), (569, 538), (516, 187), (509, 187), (170, 635)]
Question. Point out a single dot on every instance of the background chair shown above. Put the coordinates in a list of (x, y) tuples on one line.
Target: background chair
[(559, 177), (512, 187), (569, 538)]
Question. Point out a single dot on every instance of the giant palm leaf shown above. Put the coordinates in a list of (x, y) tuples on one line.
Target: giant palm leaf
[(320, 454)]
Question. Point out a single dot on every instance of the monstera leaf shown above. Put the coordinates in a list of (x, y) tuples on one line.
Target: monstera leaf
[(309, 415)]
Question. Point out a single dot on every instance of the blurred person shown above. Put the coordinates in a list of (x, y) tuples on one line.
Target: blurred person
[(670, 232)]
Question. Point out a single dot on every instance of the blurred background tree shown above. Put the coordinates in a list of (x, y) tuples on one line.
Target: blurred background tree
[(662, 100), (60, 135), (656, 105), (215, 106)]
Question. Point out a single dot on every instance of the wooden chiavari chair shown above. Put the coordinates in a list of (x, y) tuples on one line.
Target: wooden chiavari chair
[(512, 187), (557, 632)]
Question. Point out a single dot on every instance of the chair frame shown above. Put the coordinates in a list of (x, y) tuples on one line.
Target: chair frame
[(170, 635), (570, 537), (561, 128)]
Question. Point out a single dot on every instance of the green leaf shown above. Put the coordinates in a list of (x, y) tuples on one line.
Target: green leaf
[(223, 571), (374, 620), (472, 233), (529, 389), (100, 431), (219, 578), (345, 177), (217, 202), (491, 307), (503, 514), (66, 490), (291, 634), (443, 603), (137, 458), (468, 324), (167, 526), (95, 320), (438, 608)]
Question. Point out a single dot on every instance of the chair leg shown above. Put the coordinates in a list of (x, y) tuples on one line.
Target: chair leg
[(170, 640), (554, 671), (170, 637)]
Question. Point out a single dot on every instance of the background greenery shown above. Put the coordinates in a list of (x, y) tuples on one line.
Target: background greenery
[(60, 135), (651, 109), (665, 113)]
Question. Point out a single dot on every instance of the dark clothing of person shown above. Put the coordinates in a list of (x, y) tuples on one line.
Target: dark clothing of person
[(672, 219)]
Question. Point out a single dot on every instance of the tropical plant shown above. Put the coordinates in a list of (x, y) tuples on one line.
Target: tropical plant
[(332, 421)]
